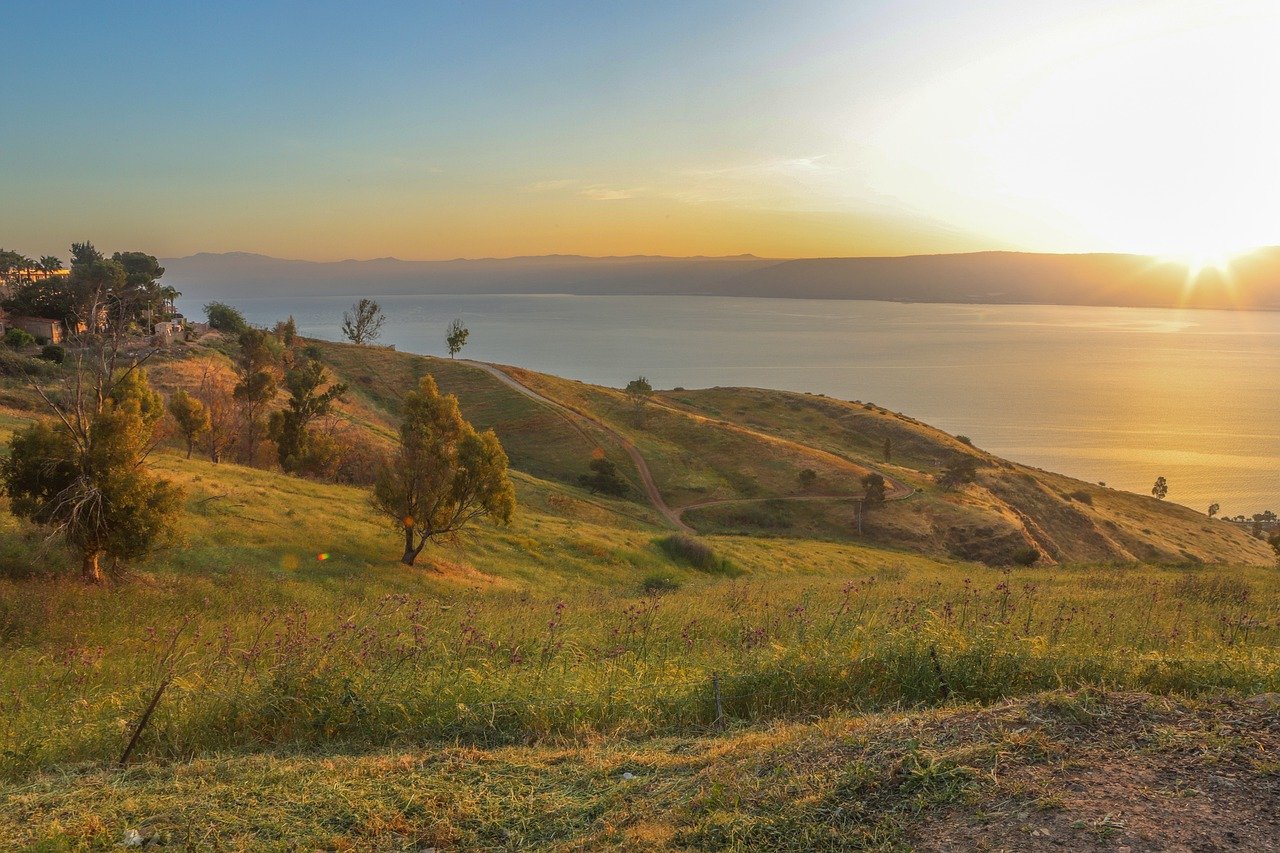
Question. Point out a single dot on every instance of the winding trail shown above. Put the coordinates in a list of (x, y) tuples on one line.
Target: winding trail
[(897, 490), (646, 476)]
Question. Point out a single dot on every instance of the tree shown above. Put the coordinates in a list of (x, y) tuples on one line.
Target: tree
[(456, 336), (1160, 489), (1213, 510), (84, 477), (191, 416), (363, 323), (604, 477), (888, 449), (224, 318), (257, 365), (443, 475), (142, 286), (807, 478), (639, 390), (873, 487), (216, 393), (286, 332), (296, 444)]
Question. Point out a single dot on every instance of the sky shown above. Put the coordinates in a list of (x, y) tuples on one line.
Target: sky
[(425, 130)]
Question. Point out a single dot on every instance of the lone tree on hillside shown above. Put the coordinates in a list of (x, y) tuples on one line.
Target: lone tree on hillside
[(604, 477), (1160, 489), (191, 416), (456, 336), (872, 489), (1213, 510), (84, 477), (639, 390), (363, 323), (443, 475)]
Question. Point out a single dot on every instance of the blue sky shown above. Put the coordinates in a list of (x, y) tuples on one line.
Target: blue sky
[(444, 129)]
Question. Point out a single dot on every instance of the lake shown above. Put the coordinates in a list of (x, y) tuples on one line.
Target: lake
[(1119, 395)]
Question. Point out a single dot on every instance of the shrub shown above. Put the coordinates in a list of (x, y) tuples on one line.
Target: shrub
[(16, 364), (18, 339), (1082, 496), (54, 353), (225, 318), (660, 582), (313, 352), (964, 439), (696, 554), (1027, 557)]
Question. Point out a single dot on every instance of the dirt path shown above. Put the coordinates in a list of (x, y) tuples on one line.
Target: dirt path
[(896, 489), (646, 476)]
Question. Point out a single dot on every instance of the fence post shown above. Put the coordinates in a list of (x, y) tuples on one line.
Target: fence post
[(715, 690)]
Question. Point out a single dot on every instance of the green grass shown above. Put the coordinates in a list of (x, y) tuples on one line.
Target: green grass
[(307, 670)]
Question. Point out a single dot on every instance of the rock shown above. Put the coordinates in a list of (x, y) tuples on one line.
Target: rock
[(628, 776), (132, 838)]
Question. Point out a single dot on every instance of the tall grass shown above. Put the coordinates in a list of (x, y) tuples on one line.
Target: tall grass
[(246, 673)]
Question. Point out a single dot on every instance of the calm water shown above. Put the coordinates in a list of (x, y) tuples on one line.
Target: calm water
[(1104, 394)]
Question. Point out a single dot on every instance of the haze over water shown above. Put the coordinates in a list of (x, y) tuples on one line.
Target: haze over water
[(1103, 394)]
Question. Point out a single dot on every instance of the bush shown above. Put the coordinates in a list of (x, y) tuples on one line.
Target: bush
[(660, 582), (1027, 557), (313, 352), (18, 339), (697, 554), (1082, 496), (15, 364), (54, 353), (964, 439), (225, 318)]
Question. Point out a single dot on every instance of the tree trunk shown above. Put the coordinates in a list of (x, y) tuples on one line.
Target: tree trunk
[(410, 553), (91, 567), (190, 446)]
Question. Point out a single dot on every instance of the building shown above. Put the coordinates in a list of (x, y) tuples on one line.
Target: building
[(40, 328)]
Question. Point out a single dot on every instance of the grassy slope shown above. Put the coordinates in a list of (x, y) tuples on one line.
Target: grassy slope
[(79, 661), (1084, 771)]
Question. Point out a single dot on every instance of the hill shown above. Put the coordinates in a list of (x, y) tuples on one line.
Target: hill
[(729, 460), (1252, 281), (582, 678)]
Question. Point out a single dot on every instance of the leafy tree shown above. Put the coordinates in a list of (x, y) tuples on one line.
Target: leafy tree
[(1160, 489), (873, 487), (224, 318), (639, 390), (84, 475), (456, 336), (807, 478), (1213, 510), (604, 478), (363, 323), (296, 443), (258, 368), (142, 289), (286, 332), (443, 475), (191, 416), (216, 393)]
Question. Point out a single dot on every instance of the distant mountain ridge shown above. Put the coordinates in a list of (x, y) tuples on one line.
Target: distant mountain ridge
[(1120, 280)]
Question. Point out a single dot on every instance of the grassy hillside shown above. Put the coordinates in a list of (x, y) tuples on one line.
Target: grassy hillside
[(873, 691)]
